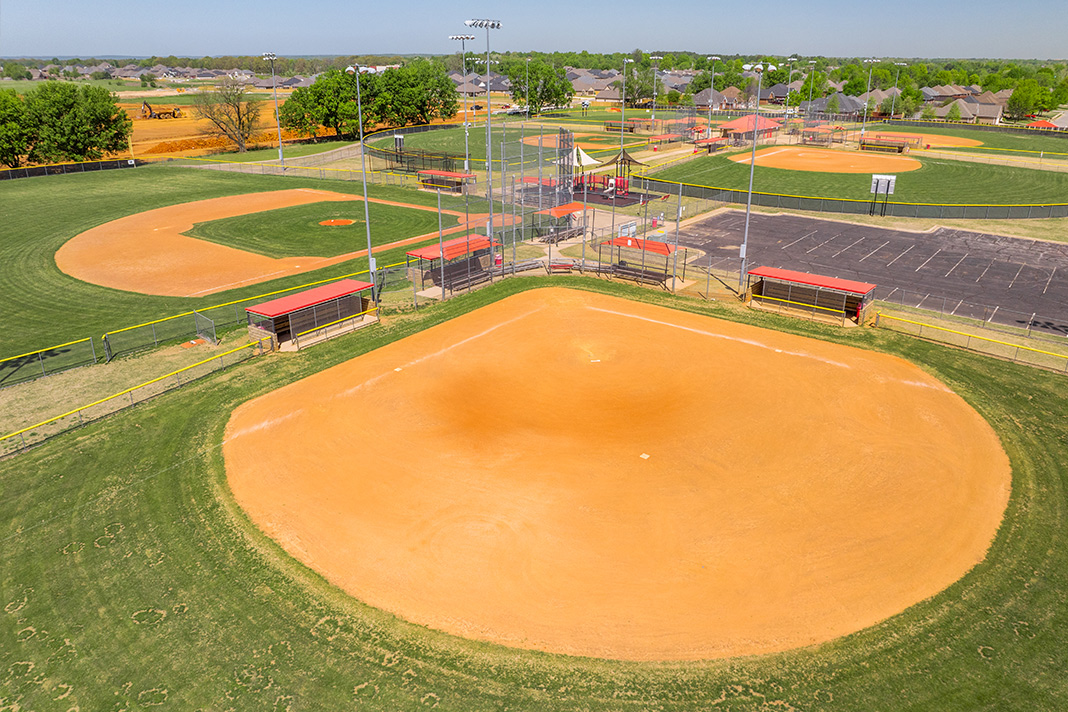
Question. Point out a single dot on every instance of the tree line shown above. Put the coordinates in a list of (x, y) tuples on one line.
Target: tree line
[(59, 122)]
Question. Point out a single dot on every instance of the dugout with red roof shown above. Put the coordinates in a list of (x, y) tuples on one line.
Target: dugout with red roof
[(311, 309), (817, 293)]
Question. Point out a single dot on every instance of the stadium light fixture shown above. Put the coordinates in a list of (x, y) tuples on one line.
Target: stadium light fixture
[(656, 58), (463, 39), (356, 70), (759, 69), (488, 25), (270, 57)]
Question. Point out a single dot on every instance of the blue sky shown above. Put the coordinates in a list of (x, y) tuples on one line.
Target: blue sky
[(984, 28)]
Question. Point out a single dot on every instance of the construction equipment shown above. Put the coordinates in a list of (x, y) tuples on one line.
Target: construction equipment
[(147, 112)]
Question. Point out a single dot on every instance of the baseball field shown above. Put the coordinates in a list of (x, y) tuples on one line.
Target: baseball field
[(599, 497)]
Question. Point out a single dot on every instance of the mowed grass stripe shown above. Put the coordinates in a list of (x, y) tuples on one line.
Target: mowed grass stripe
[(942, 181), (130, 575)]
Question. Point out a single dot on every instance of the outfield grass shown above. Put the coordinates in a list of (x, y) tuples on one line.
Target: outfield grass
[(993, 141), (130, 577), (452, 141), (938, 181), (296, 232), (43, 306)]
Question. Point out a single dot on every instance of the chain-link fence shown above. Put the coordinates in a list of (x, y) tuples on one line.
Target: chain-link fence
[(37, 364), (59, 169), (39, 432)]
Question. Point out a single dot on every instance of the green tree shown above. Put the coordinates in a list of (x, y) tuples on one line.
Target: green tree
[(72, 123), (833, 105), (329, 102), (639, 86), (100, 75), (14, 70), (15, 134), (928, 113), (954, 112), (888, 106), (548, 87), (415, 93), (1022, 102), (230, 112), (148, 80)]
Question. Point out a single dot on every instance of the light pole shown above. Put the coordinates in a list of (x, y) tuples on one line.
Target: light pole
[(528, 88), (711, 91), (489, 25), (867, 95), (789, 79), (463, 53), (811, 81), (759, 69), (270, 57), (893, 101), (622, 120), (655, 58), (355, 70)]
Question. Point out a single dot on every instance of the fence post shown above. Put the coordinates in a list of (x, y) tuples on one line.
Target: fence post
[(40, 359)]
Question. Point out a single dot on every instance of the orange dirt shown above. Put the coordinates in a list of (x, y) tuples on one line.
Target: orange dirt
[(581, 474), (822, 160), (585, 141), (932, 140), (335, 221), (148, 253)]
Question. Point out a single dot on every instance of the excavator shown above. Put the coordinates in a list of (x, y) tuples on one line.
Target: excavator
[(147, 112)]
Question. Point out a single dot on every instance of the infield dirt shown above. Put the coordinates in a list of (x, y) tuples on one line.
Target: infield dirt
[(823, 160), (585, 475)]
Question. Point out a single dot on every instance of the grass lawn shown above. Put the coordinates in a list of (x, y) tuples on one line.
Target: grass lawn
[(938, 181), (993, 141), (295, 150), (130, 578), (296, 232), (45, 307)]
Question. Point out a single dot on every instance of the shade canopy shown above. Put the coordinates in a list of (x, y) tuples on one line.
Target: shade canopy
[(813, 280), (624, 159), (636, 243), (562, 210), (453, 248), (309, 298)]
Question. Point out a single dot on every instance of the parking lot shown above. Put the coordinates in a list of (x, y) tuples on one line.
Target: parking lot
[(1003, 279)]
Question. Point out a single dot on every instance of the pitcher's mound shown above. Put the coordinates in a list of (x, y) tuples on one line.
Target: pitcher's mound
[(336, 221)]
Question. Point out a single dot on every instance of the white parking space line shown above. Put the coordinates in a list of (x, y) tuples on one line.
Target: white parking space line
[(1017, 275), (861, 239), (874, 251), (1049, 280), (958, 264), (799, 239), (927, 260), (984, 271), (822, 244), (899, 256)]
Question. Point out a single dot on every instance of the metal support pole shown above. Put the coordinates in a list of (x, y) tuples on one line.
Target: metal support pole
[(749, 199), (675, 265), (441, 247)]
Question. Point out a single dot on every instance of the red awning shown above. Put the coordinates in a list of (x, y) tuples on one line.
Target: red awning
[(636, 243), (446, 174), (562, 210), (707, 141), (1042, 124), (813, 280), (309, 298), (665, 137), (453, 248)]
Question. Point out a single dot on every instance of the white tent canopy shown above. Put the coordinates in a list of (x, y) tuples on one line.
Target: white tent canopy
[(580, 159)]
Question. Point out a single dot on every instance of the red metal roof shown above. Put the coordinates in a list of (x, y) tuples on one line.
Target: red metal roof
[(446, 174), (665, 137), (636, 243), (453, 248), (813, 280), (1042, 124), (309, 298), (745, 123)]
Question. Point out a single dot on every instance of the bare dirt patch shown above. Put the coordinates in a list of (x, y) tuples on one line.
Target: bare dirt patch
[(582, 474)]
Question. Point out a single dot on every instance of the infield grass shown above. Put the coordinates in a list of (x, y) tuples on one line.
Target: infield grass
[(937, 181), (295, 231), (130, 578)]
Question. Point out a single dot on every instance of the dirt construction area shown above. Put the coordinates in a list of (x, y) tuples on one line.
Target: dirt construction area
[(582, 474), (148, 253), (822, 160)]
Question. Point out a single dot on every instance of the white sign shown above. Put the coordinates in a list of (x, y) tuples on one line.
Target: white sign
[(629, 229), (883, 184)]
